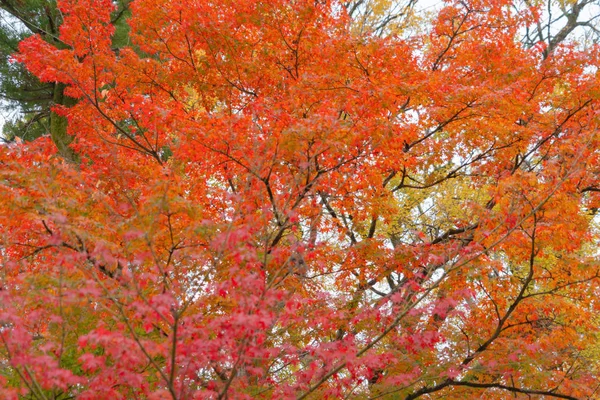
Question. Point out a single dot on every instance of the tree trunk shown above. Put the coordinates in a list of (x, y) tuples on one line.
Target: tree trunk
[(58, 126)]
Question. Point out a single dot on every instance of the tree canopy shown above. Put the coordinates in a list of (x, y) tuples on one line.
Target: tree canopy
[(305, 199), (27, 99)]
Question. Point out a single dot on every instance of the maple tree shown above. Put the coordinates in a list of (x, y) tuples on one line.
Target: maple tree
[(283, 200), (27, 99)]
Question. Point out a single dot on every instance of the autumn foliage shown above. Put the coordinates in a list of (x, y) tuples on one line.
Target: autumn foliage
[(268, 203)]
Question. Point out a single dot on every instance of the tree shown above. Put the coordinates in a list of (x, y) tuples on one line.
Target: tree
[(271, 203), (24, 93)]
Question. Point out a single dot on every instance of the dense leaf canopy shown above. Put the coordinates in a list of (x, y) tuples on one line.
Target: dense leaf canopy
[(305, 199)]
